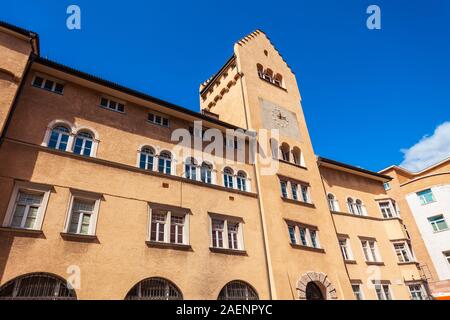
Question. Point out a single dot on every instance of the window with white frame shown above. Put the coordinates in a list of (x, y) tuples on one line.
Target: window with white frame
[(226, 233), (417, 291), (283, 185), (168, 226), (438, 223), (305, 193), (388, 209), (387, 186), (165, 162), (360, 210), (447, 256), (294, 189), (158, 120), (59, 138), (357, 291), (228, 178), (190, 168), (426, 196), (241, 180), (351, 206), (206, 172), (303, 235), (403, 251), (48, 84), (112, 105), (146, 158), (344, 244), (333, 203), (84, 142), (27, 206), (82, 215), (370, 250), (383, 291)]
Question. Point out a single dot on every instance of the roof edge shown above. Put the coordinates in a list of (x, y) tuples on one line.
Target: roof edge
[(24, 32), (353, 168)]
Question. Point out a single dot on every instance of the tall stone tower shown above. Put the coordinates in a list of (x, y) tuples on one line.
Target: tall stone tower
[(16, 48), (256, 89)]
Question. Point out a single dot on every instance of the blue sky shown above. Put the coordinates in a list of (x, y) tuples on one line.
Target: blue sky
[(367, 95)]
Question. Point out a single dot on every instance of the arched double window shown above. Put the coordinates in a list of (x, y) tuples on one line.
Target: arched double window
[(59, 138), (154, 289), (228, 178), (206, 172), (278, 80), (37, 286), (84, 141), (238, 290), (146, 158), (165, 162), (268, 75), (190, 168), (241, 180)]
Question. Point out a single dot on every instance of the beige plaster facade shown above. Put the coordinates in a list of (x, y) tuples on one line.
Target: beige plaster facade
[(254, 90)]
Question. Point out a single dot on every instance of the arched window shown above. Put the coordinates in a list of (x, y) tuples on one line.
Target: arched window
[(359, 207), (278, 80), (206, 172), (313, 292), (59, 137), (297, 156), (241, 180), (238, 290), (154, 289), (37, 286), (268, 75), (228, 177), (190, 168), (351, 205), (285, 150), (274, 148), (260, 69), (146, 159), (165, 162), (332, 203), (83, 144)]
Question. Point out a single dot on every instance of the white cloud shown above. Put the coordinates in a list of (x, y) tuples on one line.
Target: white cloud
[(429, 150)]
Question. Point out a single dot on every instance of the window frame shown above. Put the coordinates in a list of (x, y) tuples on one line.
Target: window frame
[(31, 188), (86, 196), (360, 290), (348, 255), (45, 79), (307, 239), (374, 251), (433, 223), (169, 213), (108, 104), (406, 249), (225, 232), (422, 199), (163, 118), (383, 291), (78, 135), (421, 290)]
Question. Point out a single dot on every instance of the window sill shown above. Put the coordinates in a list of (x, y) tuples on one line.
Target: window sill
[(350, 261), (306, 204), (302, 247), (228, 251), (292, 164), (79, 237), (24, 232), (374, 263), (408, 263), (165, 245)]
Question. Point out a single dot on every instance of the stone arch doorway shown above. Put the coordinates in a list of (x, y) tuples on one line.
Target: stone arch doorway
[(313, 292), (315, 286)]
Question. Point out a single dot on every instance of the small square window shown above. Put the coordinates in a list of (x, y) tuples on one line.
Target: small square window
[(38, 81), (151, 117), (59, 88), (165, 122), (112, 105), (426, 196), (120, 107), (438, 223), (48, 85), (104, 102)]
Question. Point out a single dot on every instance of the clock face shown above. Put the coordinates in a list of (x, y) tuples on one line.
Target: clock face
[(280, 118)]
